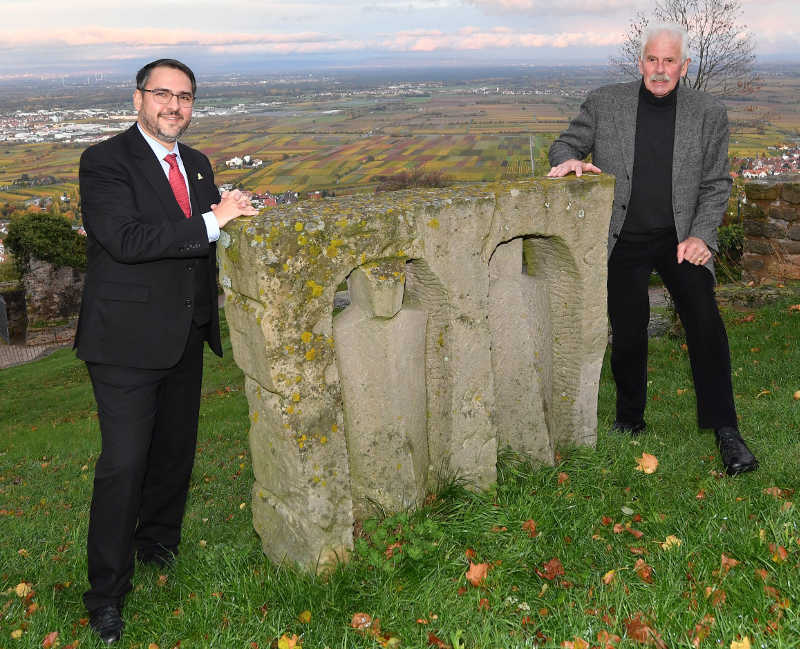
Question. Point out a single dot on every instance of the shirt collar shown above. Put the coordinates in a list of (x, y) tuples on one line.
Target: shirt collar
[(159, 149)]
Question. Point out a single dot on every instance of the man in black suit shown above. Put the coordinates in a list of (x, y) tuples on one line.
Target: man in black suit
[(152, 215)]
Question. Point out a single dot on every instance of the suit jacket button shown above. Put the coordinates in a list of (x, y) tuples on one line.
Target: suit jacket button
[(188, 302), (189, 267)]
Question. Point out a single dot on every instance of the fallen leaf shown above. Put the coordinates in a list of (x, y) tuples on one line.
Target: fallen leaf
[(390, 549), (794, 307), (551, 569), (672, 542), (304, 617), (23, 589), (744, 643), (607, 640), (701, 494), (469, 553), (716, 595), (286, 642), (726, 563), (701, 630), (647, 463), (477, 573), (162, 580), (361, 621), (779, 553), (639, 631), (483, 604), (606, 521), (152, 645), (609, 577), (578, 643), (32, 608), (434, 641), (618, 528), (563, 477), (50, 640), (644, 570), (16, 634), (530, 527)]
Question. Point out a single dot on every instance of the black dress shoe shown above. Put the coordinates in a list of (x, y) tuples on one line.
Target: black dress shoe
[(736, 457), (107, 623), (630, 429), (157, 556)]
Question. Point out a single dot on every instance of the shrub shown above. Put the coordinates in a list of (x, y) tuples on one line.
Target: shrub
[(48, 237), (727, 260)]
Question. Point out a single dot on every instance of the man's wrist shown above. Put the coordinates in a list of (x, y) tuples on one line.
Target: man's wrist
[(212, 227)]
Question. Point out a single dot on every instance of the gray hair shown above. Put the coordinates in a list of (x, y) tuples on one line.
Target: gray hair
[(678, 32)]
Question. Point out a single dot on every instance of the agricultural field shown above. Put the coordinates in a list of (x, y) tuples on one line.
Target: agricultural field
[(342, 141)]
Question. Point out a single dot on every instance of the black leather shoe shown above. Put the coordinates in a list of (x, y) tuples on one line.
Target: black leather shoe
[(107, 623), (736, 457), (159, 556), (630, 429)]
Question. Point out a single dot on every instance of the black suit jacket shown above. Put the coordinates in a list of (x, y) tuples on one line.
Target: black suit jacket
[(138, 298)]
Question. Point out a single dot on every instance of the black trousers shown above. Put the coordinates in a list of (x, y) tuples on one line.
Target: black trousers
[(692, 291), (148, 422)]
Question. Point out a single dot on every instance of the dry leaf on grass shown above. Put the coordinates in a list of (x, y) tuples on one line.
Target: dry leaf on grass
[(530, 527), (639, 631), (551, 569), (644, 570), (361, 621), (672, 542), (477, 573), (744, 643), (647, 463)]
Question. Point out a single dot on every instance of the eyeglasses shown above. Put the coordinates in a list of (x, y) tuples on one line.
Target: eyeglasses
[(164, 96)]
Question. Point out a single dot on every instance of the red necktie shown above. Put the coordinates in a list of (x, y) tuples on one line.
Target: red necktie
[(178, 184)]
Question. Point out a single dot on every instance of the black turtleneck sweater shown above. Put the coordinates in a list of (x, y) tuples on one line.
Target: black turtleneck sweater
[(650, 205)]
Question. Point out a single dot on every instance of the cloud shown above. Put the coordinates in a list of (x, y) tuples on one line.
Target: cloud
[(147, 38), (549, 7), (474, 38)]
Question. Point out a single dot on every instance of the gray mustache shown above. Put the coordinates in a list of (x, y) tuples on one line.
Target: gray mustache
[(660, 77)]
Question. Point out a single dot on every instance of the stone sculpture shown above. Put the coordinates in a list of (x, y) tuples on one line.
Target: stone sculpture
[(477, 321)]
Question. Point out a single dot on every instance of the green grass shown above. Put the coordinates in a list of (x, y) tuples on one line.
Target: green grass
[(223, 592)]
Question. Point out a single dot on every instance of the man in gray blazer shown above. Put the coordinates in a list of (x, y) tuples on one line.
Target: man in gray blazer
[(667, 145)]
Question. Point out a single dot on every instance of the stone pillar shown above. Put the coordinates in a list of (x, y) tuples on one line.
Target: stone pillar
[(477, 321), (380, 356)]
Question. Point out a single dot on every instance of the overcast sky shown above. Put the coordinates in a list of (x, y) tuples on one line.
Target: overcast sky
[(49, 36)]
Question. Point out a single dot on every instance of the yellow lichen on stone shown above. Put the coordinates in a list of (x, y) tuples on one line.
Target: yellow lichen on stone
[(434, 223), (310, 354), (306, 336), (254, 416), (302, 240), (334, 428), (298, 226), (296, 397), (316, 289), (323, 440)]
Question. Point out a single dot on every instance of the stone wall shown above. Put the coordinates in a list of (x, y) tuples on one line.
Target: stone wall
[(16, 315), (477, 321), (771, 220), (53, 301)]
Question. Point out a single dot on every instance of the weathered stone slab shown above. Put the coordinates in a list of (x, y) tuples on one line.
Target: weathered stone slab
[(477, 321)]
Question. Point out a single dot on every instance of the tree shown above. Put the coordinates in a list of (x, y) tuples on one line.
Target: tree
[(721, 49), (48, 237)]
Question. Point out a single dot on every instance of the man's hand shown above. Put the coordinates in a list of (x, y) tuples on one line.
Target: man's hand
[(694, 250), (571, 165), (232, 205)]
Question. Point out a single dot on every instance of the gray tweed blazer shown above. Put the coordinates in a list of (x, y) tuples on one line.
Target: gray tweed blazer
[(701, 182)]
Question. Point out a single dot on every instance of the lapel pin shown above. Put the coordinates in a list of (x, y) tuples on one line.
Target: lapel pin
[(199, 176)]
